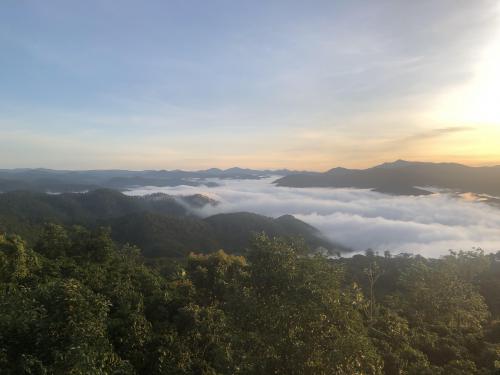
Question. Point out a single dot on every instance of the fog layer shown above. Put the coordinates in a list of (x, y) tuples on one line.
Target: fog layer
[(362, 219)]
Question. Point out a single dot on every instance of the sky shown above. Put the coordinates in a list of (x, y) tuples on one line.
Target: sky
[(429, 225), (159, 84)]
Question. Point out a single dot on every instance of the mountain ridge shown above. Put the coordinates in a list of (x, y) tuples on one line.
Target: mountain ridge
[(59, 181), (403, 177)]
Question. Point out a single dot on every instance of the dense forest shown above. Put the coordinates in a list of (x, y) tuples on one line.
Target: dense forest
[(76, 302), (161, 225)]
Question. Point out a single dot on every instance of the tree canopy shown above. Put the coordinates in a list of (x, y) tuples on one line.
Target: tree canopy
[(78, 303)]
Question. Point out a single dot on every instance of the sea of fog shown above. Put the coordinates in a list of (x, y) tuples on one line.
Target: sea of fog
[(361, 219)]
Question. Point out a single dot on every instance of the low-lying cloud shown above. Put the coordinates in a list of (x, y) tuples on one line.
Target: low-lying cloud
[(362, 219)]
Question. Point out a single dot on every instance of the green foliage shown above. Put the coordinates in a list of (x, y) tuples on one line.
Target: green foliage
[(435, 319), (78, 303)]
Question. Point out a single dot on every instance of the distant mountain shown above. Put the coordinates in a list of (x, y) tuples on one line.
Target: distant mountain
[(404, 178), (400, 164), (160, 224), (47, 180)]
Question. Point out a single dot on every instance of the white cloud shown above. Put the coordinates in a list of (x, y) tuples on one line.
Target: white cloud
[(361, 219)]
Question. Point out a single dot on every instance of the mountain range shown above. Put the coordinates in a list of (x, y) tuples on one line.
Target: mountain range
[(165, 225), (399, 178), (50, 180), (403, 178)]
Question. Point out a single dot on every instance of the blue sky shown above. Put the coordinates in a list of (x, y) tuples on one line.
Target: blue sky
[(195, 84)]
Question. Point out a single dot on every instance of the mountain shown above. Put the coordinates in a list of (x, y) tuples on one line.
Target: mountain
[(60, 181), (160, 224), (404, 178), (160, 235), (235, 230), (400, 164)]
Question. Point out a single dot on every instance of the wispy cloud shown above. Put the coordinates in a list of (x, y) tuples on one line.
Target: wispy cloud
[(435, 133)]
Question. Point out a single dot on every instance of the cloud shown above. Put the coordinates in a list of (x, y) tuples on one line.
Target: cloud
[(229, 81), (361, 219), (435, 133)]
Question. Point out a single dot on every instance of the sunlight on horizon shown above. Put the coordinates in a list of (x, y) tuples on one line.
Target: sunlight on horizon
[(475, 105), (275, 87)]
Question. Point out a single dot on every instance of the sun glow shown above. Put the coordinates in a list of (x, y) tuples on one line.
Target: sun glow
[(477, 103), (474, 105)]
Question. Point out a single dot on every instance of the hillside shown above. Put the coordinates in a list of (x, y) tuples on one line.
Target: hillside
[(235, 230), (404, 178), (162, 225)]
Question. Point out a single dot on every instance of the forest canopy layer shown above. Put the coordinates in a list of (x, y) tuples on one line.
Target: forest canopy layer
[(78, 303)]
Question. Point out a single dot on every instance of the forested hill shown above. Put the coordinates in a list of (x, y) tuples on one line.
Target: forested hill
[(160, 224), (77, 303), (403, 178)]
